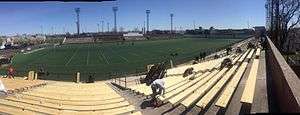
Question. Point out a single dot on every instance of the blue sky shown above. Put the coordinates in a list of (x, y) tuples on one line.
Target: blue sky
[(30, 17)]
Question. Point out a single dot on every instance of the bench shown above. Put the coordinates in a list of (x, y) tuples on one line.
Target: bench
[(203, 89), (208, 97), (249, 89), (243, 56), (257, 54), (185, 86), (230, 87), (177, 98), (250, 54)]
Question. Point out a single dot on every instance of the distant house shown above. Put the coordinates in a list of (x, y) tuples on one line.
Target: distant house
[(133, 36)]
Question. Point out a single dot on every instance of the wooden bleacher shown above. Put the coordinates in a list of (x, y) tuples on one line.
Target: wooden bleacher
[(18, 85), (68, 98), (249, 90)]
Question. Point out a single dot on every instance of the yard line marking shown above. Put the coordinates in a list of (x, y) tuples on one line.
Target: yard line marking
[(87, 60), (40, 57), (35, 50), (104, 57), (71, 57), (134, 54), (119, 55)]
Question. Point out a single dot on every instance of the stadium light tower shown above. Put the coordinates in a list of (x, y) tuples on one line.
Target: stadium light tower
[(115, 9), (102, 26), (171, 15), (77, 10), (107, 26), (147, 12), (98, 28)]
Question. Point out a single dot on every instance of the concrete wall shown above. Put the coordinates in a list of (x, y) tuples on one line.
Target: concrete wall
[(285, 84)]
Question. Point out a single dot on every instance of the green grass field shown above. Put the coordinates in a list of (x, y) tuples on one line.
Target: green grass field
[(101, 59)]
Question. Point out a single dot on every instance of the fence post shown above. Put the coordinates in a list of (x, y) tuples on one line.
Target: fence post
[(78, 77), (125, 82)]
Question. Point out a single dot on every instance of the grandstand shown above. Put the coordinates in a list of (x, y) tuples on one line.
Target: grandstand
[(68, 98), (237, 89)]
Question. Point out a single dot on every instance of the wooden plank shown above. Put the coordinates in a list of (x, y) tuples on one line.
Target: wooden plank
[(70, 107), (204, 101), (179, 89), (29, 107), (72, 98), (62, 102), (203, 89), (257, 54), (249, 90), (230, 87), (250, 54), (187, 92), (244, 55), (15, 111)]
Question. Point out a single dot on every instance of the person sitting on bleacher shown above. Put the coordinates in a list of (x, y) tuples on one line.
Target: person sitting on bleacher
[(158, 88)]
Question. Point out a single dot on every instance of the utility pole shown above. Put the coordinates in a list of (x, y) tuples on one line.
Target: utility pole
[(171, 15), (77, 10), (147, 12), (115, 9)]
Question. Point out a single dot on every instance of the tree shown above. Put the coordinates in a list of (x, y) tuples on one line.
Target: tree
[(283, 16)]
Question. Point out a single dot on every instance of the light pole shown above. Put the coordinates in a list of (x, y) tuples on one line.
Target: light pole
[(147, 12), (77, 10), (115, 9), (171, 15)]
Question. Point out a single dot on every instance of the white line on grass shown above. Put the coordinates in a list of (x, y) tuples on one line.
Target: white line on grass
[(87, 60), (134, 54), (119, 55), (104, 58), (71, 57)]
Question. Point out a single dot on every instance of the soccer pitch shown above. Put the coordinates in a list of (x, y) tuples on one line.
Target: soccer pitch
[(101, 59)]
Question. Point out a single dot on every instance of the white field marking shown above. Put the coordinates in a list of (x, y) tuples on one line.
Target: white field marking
[(87, 60), (104, 57), (119, 55), (35, 50), (40, 57), (71, 57), (134, 54)]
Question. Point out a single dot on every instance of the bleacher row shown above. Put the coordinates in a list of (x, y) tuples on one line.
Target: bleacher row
[(210, 80), (18, 85), (68, 98)]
